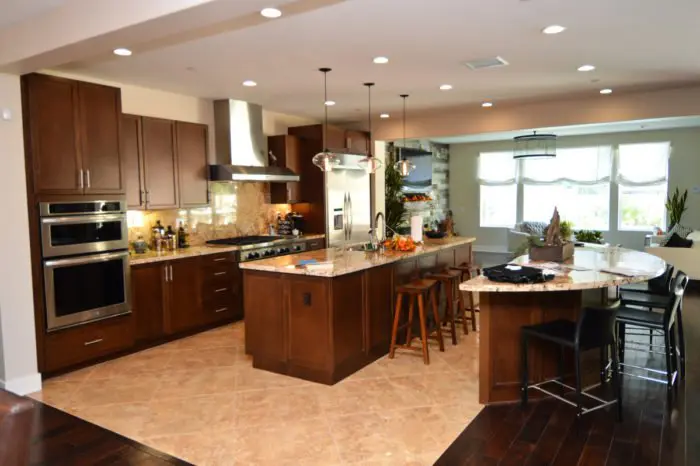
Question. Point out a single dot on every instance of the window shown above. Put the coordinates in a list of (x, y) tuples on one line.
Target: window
[(498, 189), (577, 182), (642, 177)]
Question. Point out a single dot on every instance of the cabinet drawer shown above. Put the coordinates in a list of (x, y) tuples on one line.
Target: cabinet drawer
[(214, 260), (220, 308), (83, 343), (313, 244)]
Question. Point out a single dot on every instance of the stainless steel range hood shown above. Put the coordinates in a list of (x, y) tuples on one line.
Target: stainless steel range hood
[(240, 145)]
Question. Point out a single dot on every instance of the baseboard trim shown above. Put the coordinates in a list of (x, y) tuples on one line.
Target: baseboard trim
[(495, 249), (23, 385)]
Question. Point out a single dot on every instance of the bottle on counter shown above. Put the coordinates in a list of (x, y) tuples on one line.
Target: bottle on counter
[(182, 237), (171, 239)]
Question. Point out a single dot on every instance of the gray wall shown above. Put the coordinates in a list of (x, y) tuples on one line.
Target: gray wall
[(684, 172)]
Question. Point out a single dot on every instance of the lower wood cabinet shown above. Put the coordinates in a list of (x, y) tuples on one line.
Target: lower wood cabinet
[(83, 343), (148, 288), (184, 299)]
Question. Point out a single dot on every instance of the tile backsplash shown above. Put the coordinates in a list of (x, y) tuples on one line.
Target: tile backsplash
[(235, 209)]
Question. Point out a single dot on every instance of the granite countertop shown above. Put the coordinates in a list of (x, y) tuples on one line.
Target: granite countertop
[(591, 267), (332, 262), (153, 256)]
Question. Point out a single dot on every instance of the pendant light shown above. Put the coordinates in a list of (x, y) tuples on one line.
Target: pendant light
[(325, 160), (370, 163), (404, 167), (535, 145)]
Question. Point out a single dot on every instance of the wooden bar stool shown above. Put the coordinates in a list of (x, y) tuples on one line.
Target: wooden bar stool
[(467, 272), (450, 280), (417, 291)]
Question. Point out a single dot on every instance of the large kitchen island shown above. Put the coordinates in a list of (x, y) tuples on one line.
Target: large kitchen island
[(506, 307), (326, 320)]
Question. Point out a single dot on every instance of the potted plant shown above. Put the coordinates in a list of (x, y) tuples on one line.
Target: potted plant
[(675, 206), (554, 247), (566, 230), (393, 198)]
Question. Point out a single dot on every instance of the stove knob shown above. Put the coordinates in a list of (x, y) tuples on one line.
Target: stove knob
[(297, 248), (254, 255)]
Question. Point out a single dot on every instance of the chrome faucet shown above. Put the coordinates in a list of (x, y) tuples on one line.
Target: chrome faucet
[(376, 240)]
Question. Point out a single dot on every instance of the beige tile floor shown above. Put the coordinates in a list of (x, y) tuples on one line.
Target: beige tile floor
[(200, 399)]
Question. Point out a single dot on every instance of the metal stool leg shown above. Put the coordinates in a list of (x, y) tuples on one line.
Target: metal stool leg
[(525, 371)]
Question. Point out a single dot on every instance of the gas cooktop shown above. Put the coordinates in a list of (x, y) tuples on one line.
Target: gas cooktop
[(261, 247), (243, 240)]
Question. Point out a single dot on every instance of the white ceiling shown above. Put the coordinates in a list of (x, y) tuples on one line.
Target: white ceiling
[(15, 11), (634, 43)]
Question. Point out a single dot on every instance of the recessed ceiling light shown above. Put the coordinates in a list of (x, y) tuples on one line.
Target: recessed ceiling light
[(487, 104), (330, 103), (271, 12), (606, 91), (249, 83), (384, 115), (380, 60), (586, 68), (122, 52), (553, 29), (446, 87)]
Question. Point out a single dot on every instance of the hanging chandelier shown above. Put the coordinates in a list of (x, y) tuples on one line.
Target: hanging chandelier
[(325, 160), (403, 166), (370, 163), (535, 145)]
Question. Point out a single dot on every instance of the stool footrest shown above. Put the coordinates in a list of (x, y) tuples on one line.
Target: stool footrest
[(602, 403)]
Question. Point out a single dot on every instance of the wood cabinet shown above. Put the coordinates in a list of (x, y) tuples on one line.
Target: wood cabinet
[(313, 244), (286, 151), (148, 293), (72, 138), (84, 343), (192, 148), (221, 288), (357, 141), (184, 308), (166, 163)]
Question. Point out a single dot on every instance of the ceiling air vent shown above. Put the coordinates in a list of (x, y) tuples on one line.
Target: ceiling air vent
[(485, 63)]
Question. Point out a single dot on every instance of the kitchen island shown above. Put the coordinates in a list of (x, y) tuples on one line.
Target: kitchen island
[(506, 307), (326, 320)]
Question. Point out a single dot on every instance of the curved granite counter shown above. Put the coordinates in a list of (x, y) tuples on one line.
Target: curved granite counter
[(506, 307), (591, 267)]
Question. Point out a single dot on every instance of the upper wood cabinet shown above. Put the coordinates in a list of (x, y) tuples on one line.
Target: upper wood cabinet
[(72, 136), (286, 151), (335, 136), (166, 163), (192, 163), (357, 141)]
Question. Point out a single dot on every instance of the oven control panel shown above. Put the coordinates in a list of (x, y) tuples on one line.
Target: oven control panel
[(273, 251)]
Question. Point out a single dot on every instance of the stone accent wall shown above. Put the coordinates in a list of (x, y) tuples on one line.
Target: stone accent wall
[(236, 209)]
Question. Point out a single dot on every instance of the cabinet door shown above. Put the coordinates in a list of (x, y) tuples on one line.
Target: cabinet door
[(192, 163), (185, 305), (147, 301), (160, 163), (100, 111), (133, 161), (287, 151), (335, 138), (357, 141), (50, 107)]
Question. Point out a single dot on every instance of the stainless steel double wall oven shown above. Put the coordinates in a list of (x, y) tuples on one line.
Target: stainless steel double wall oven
[(85, 260)]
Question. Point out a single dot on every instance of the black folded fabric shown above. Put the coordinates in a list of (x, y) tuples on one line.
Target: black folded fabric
[(516, 274), (677, 241)]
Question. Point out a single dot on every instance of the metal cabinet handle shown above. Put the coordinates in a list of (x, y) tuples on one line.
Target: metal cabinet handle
[(148, 196), (220, 259), (220, 273), (222, 309), (93, 342), (87, 177), (220, 290), (171, 272), (80, 178), (140, 196)]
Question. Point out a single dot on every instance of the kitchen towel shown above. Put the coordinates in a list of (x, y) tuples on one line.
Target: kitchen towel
[(417, 228)]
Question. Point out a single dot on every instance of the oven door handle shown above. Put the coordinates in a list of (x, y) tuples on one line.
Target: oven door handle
[(86, 260), (85, 218)]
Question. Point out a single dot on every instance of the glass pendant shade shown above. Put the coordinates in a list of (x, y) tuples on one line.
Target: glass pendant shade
[(535, 146), (370, 164), (325, 160), (404, 167)]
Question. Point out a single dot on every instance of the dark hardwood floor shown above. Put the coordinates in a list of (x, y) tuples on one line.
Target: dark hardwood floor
[(61, 439), (653, 432)]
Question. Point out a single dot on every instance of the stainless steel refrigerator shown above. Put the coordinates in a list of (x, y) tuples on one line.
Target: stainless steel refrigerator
[(348, 205)]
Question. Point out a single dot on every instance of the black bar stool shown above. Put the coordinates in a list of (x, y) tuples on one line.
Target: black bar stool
[(663, 324), (595, 328), (417, 291)]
